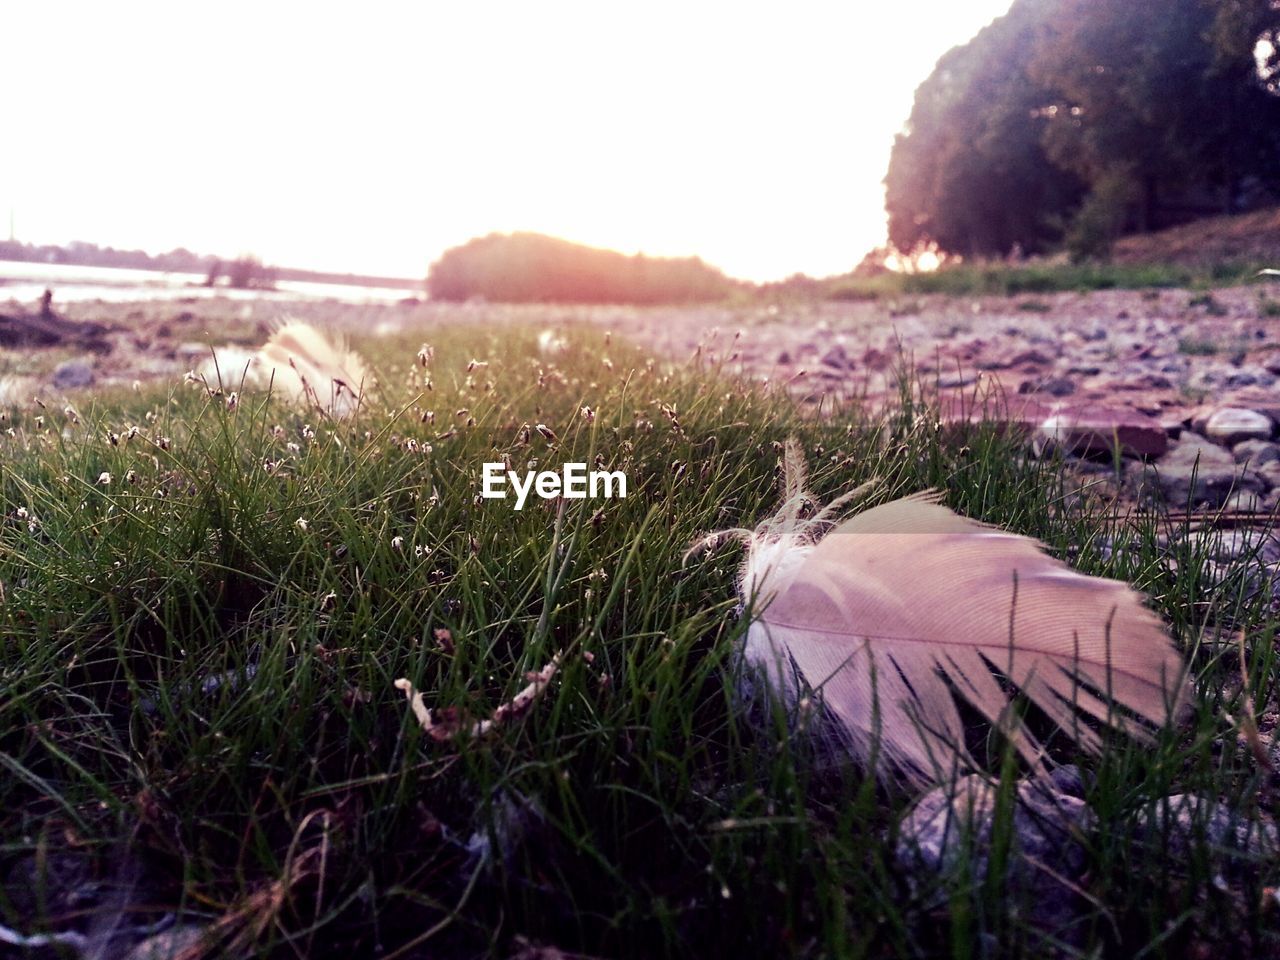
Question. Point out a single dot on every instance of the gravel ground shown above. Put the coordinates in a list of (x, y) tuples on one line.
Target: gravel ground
[(1184, 381)]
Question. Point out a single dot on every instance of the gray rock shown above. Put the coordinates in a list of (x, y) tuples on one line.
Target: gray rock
[(951, 826), (191, 351), (170, 944), (1256, 452), (1269, 473), (73, 373), (1227, 545), (1196, 471), (1247, 501), (838, 358), (1182, 822), (1231, 425), (1058, 386)]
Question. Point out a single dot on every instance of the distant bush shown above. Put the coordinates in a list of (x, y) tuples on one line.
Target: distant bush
[(244, 273), (532, 268)]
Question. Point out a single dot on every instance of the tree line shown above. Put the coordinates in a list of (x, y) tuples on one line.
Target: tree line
[(1072, 121), (534, 268)]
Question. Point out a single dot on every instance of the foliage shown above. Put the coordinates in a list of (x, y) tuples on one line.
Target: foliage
[(1062, 98), (533, 268), (970, 174), (1097, 224)]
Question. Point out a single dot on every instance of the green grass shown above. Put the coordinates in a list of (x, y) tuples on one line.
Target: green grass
[(637, 810), (975, 279)]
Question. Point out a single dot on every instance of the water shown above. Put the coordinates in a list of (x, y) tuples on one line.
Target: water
[(26, 282)]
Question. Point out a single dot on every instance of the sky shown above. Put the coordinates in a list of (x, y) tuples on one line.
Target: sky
[(372, 137)]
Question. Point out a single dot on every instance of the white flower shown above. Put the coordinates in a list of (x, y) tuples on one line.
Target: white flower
[(104, 479), (301, 524)]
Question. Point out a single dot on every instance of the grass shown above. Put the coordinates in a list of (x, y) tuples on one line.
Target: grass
[(975, 279), (206, 606)]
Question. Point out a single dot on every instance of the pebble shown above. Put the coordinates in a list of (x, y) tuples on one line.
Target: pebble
[(1195, 472), (949, 826), (1231, 425), (1179, 821), (71, 374), (1256, 453)]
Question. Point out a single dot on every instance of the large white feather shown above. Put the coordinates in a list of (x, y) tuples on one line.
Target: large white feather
[(301, 363), (895, 612)]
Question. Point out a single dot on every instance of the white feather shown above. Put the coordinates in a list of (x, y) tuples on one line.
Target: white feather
[(893, 613), (298, 362)]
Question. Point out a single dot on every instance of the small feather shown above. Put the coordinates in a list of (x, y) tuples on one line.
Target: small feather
[(895, 612), (300, 363)]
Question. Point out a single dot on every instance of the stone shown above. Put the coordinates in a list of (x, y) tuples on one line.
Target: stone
[(1247, 501), (71, 374), (1231, 425), (1269, 473), (1181, 822), (951, 826), (1195, 472), (1099, 429), (874, 359), (1058, 386), (838, 358), (1256, 453), (1228, 545), (178, 941)]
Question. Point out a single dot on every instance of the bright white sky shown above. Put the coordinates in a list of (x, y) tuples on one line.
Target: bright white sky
[(371, 137)]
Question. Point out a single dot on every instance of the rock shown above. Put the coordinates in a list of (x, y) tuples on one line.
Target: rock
[(1195, 471), (1269, 473), (960, 411), (951, 826), (171, 944), (1058, 386), (1227, 545), (191, 351), (73, 373), (1183, 821), (838, 358), (1231, 425), (874, 359), (1256, 453), (1031, 356), (1247, 501), (1098, 429)]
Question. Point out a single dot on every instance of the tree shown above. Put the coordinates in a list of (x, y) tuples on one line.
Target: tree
[(970, 173), (532, 268), (1125, 103), (1167, 90)]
